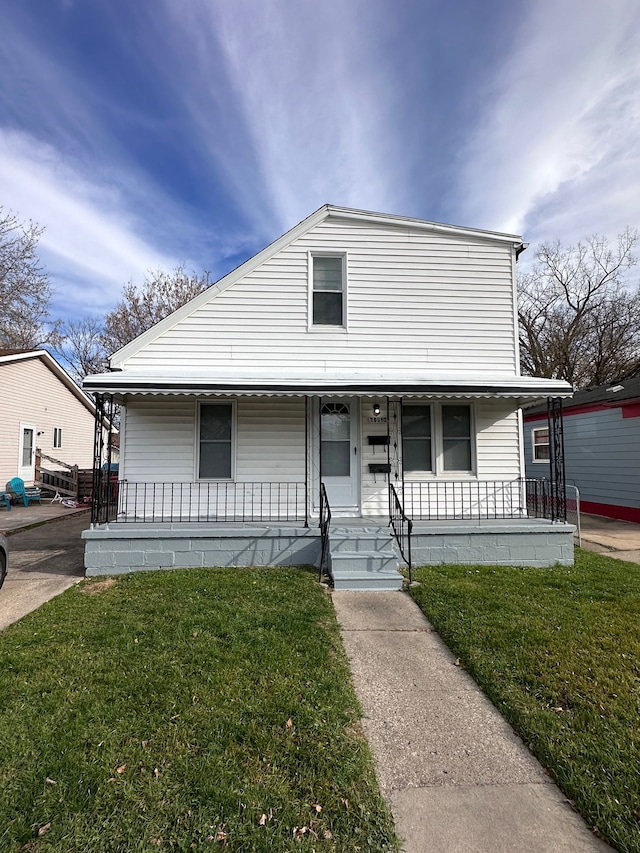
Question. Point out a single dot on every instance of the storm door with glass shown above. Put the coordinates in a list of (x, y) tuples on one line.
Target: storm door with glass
[(339, 464), (27, 460)]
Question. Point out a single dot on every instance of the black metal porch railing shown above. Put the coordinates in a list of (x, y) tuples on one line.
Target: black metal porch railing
[(401, 525), (325, 521), (216, 502), (477, 500)]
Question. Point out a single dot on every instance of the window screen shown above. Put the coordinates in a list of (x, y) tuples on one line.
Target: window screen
[(416, 438), (456, 438), (215, 441), (327, 291)]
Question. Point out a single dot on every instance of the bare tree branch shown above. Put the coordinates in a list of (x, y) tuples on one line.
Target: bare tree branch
[(25, 291), (139, 309), (578, 319)]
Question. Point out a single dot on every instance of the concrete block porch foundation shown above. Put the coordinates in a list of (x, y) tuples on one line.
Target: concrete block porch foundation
[(118, 548)]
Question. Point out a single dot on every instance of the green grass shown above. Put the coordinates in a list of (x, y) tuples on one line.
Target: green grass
[(198, 709), (558, 652)]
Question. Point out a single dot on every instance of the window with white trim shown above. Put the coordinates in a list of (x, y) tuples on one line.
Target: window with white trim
[(540, 444), (215, 441), (456, 438), (328, 290), (416, 438), (57, 437), (437, 438)]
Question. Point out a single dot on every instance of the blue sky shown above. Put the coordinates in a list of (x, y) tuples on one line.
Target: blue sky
[(155, 132)]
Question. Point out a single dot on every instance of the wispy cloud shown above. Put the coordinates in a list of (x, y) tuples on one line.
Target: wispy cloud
[(306, 96), (556, 150), (89, 236)]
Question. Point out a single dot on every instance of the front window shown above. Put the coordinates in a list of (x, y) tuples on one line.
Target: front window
[(456, 438), (216, 439), (328, 291), (540, 444), (437, 438), (416, 438)]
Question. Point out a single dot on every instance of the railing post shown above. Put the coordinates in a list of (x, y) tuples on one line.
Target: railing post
[(556, 459), (98, 443)]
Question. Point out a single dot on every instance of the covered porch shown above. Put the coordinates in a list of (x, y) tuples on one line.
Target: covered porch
[(431, 470)]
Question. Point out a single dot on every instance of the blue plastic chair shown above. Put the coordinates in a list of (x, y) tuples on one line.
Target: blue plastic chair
[(4, 499), (18, 489)]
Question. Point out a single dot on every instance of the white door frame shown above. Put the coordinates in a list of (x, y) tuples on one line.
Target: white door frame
[(339, 507), (27, 472)]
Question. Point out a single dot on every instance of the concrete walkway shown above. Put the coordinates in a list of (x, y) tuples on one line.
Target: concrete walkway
[(43, 561), (620, 539), (457, 778)]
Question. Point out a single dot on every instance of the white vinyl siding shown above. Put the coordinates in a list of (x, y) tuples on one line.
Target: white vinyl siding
[(162, 440), (417, 300), (158, 441)]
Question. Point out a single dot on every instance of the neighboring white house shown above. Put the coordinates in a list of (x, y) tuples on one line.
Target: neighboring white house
[(357, 351), (41, 407)]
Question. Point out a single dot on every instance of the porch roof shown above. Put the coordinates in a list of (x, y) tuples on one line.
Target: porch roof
[(395, 384)]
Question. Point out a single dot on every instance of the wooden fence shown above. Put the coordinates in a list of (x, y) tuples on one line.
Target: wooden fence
[(66, 480)]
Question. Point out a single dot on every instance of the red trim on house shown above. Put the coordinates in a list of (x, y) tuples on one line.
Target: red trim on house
[(623, 513), (630, 409)]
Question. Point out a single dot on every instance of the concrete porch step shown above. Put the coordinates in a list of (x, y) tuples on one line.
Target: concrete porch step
[(363, 561), (349, 544), (363, 557), (368, 581)]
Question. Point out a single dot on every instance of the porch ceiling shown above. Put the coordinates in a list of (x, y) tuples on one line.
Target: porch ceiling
[(394, 384)]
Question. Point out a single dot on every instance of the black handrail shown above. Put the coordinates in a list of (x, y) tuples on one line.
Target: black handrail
[(402, 526), (325, 520)]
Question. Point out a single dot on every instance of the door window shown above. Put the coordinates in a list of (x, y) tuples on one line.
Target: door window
[(335, 436), (27, 447)]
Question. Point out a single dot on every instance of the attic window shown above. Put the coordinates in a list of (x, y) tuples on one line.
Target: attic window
[(328, 290)]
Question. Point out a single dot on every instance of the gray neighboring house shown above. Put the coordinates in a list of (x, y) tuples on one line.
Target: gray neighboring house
[(602, 447)]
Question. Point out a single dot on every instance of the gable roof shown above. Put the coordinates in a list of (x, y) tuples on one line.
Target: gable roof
[(323, 213), (11, 356)]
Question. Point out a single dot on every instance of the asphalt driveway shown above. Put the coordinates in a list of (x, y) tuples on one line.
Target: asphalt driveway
[(43, 562)]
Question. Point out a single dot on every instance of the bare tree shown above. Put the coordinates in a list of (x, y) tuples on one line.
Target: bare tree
[(579, 320), (83, 347), (25, 291), (140, 308)]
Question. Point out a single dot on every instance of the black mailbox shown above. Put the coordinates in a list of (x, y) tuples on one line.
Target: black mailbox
[(379, 468)]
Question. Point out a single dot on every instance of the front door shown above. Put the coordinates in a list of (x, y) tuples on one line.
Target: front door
[(339, 463), (26, 454)]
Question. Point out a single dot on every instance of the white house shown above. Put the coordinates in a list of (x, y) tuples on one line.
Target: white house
[(41, 407), (356, 353)]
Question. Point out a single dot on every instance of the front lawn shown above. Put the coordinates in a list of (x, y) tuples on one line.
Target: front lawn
[(558, 652), (198, 709)]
